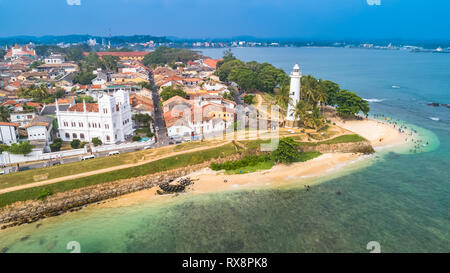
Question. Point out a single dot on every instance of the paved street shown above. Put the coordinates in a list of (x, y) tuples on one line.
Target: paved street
[(161, 134), (76, 158)]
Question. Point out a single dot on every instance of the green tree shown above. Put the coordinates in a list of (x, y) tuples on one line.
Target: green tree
[(74, 54), (169, 92), (4, 113), (56, 145), (301, 111), (286, 152), (87, 99), (349, 104), (142, 120), (83, 77), (226, 68), (248, 99), (23, 148), (75, 144), (282, 97), (244, 77), (96, 141), (110, 63), (35, 64), (2, 53), (331, 90), (165, 55)]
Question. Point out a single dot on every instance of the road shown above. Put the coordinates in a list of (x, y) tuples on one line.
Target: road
[(75, 158), (162, 138)]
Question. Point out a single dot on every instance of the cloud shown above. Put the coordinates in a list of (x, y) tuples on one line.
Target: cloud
[(374, 2), (74, 2)]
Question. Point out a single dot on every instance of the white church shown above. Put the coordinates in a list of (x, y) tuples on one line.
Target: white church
[(294, 95), (109, 119)]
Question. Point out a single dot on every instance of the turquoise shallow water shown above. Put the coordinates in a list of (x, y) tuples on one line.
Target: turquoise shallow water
[(401, 200)]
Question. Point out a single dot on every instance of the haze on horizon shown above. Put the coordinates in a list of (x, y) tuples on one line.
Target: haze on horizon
[(318, 19)]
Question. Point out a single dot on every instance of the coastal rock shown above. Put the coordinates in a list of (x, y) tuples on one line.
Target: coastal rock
[(33, 210)]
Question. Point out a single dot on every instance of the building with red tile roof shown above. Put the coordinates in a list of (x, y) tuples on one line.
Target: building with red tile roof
[(211, 62), (132, 55)]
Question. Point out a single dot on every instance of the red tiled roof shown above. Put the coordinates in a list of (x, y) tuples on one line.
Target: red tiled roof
[(78, 107), (9, 124), (212, 63), (121, 54)]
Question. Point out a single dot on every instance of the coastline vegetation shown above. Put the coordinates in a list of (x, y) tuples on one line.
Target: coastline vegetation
[(254, 77), (286, 153)]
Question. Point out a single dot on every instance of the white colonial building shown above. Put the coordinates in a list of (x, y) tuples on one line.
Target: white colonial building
[(294, 95), (109, 119), (8, 133), (54, 59)]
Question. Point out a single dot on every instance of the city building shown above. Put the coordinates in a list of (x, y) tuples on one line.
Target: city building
[(20, 51), (40, 132), (54, 59), (109, 119), (8, 133)]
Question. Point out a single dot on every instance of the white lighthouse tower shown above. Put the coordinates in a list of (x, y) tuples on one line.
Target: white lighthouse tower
[(294, 95)]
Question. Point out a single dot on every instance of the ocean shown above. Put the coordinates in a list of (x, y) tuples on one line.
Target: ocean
[(400, 200)]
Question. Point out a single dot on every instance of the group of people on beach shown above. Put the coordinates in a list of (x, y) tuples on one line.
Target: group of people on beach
[(403, 129)]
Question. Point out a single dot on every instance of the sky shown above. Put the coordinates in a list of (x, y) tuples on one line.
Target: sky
[(309, 19)]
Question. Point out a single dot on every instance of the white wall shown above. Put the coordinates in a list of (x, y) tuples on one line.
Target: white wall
[(8, 134)]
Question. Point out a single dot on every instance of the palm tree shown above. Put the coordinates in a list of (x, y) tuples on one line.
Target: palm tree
[(301, 112), (282, 99), (308, 89)]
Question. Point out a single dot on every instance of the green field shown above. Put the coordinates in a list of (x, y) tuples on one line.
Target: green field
[(41, 174), (190, 158), (164, 164)]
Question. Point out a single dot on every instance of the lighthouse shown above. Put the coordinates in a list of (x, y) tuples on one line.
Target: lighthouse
[(294, 95)]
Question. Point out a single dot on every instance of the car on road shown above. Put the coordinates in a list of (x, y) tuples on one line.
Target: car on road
[(156, 128), (146, 147), (113, 153), (2, 172), (86, 157)]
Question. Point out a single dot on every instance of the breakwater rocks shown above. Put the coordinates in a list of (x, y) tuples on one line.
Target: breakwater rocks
[(363, 147), (30, 211)]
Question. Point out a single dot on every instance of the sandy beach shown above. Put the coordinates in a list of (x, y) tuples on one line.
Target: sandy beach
[(379, 134)]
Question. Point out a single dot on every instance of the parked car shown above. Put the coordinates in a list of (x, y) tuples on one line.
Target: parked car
[(2, 172), (113, 153), (86, 157), (147, 147)]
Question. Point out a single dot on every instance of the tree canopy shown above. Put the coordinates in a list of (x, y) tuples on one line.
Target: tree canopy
[(349, 104), (23, 148), (251, 76), (40, 93), (169, 92), (166, 55)]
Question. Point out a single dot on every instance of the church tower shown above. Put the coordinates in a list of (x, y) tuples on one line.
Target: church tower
[(294, 95)]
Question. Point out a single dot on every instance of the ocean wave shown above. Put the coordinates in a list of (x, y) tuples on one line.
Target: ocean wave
[(395, 86), (434, 118), (374, 100)]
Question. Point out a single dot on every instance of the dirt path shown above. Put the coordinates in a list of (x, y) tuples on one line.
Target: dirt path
[(70, 177)]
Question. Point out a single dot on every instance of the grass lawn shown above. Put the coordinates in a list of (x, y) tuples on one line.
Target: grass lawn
[(36, 175), (145, 169), (267, 165)]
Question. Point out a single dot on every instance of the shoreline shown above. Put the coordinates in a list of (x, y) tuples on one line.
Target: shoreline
[(301, 173), (207, 181)]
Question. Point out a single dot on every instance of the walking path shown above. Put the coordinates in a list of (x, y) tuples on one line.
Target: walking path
[(70, 177)]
